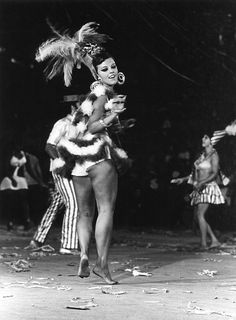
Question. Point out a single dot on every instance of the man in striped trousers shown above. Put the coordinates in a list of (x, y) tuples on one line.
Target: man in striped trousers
[(64, 194)]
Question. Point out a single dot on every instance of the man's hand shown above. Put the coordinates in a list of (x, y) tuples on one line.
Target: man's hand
[(118, 104)]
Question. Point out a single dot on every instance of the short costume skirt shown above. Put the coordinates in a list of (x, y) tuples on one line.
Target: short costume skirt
[(210, 194), (80, 170)]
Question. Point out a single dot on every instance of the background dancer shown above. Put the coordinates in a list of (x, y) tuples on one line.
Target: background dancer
[(88, 155), (63, 194), (206, 190)]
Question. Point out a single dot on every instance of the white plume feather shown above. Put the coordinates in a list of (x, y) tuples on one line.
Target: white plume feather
[(67, 69), (66, 52), (231, 129), (56, 47), (86, 30)]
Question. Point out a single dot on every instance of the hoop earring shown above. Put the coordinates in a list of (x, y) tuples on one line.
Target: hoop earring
[(121, 78)]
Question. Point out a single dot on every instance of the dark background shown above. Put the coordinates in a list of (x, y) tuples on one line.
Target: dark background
[(179, 58)]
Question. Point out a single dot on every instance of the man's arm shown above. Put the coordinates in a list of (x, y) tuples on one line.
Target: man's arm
[(55, 135), (51, 150)]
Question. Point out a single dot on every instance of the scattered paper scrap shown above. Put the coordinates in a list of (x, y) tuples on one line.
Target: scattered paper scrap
[(197, 310), (100, 287), (137, 273), (212, 260), (46, 248), (85, 307), (82, 303), (155, 290), (19, 265), (154, 301), (63, 288), (84, 300), (208, 273), (113, 292), (223, 253)]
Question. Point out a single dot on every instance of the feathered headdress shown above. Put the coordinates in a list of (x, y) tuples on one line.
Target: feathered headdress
[(219, 134), (67, 52)]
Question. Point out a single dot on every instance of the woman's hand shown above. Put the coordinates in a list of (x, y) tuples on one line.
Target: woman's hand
[(198, 186), (118, 111), (177, 181)]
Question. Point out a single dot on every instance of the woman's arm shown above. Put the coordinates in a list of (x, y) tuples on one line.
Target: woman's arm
[(180, 180), (97, 122)]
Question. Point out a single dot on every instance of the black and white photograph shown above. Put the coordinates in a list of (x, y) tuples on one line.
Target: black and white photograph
[(117, 159)]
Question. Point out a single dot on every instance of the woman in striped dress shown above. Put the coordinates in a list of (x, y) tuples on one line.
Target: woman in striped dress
[(206, 190)]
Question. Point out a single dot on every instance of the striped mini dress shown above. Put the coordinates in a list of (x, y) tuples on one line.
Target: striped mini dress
[(211, 194)]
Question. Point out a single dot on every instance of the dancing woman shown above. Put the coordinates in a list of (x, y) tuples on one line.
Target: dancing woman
[(88, 155), (206, 190)]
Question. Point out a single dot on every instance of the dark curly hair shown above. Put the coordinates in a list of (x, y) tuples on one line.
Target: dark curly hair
[(100, 57)]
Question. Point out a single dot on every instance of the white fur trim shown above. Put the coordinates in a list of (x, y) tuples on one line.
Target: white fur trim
[(87, 107), (109, 105), (231, 129), (57, 163), (74, 130), (88, 136), (81, 127), (72, 148), (121, 153), (99, 90)]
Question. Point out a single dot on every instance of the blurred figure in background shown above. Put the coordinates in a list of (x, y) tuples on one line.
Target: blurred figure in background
[(177, 194), (14, 192), (37, 189)]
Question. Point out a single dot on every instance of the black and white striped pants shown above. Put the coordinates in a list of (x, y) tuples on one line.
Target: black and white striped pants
[(64, 195)]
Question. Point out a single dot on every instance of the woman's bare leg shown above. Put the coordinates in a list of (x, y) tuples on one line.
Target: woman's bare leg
[(203, 225), (214, 241), (104, 180), (86, 205)]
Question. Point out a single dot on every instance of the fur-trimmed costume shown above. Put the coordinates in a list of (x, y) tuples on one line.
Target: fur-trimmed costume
[(84, 148)]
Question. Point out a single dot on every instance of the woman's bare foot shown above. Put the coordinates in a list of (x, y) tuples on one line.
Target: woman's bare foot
[(202, 248), (104, 274), (214, 244), (84, 271)]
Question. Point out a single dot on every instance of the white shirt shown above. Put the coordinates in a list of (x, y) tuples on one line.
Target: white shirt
[(21, 182), (62, 128)]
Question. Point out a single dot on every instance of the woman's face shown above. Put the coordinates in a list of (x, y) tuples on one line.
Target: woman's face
[(108, 72), (206, 141)]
